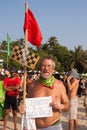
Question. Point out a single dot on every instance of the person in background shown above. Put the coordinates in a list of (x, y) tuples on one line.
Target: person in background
[(2, 98), (48, 85), (85, 98), (73, 84), (20, 90), (6, 73), (11, 86)]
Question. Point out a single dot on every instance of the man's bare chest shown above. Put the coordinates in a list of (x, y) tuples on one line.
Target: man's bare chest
[(42, 91)]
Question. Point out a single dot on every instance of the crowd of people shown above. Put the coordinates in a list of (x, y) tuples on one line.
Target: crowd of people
[(64, 90)]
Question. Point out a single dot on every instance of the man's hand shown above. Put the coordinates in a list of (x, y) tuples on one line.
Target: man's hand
[(57, 105), (22, 108)]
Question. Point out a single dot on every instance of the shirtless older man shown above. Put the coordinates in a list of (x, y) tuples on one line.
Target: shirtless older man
[(73, 84), (47, 85)]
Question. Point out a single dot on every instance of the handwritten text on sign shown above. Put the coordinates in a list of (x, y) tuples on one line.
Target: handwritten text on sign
[(38, 107)]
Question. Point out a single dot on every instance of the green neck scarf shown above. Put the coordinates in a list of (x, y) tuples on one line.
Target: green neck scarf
[(47, 83)]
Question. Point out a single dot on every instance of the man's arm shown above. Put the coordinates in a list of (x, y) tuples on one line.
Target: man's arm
[(64, 100), (16, 87), (63, 104), (71, 84), (7, 88)]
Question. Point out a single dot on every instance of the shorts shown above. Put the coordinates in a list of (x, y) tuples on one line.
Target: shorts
[(55, 126), (72, 113), (10, 102)]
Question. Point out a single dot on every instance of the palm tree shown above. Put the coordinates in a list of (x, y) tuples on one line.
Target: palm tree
[(3, 45), (78, 59), (52, 41)]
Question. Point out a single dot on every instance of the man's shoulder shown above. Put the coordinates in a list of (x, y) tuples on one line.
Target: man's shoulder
[(76, 81), (58, 83), (33, 83), (6, 78), (16, 78)]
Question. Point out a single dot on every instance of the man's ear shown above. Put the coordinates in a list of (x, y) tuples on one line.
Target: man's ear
[(54, 71)]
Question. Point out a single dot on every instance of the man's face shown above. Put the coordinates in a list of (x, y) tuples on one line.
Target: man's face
[(13, 74), (47, 69)]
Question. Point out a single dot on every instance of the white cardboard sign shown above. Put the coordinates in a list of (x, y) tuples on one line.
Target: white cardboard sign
[(38, 107)]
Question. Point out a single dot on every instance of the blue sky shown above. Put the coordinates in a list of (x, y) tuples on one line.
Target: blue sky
[(65, 19)]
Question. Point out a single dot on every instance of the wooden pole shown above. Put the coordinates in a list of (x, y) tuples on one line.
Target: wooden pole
[(25, 68)]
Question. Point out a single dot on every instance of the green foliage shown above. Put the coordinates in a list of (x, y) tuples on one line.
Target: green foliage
[(65, 59), (78, 59)]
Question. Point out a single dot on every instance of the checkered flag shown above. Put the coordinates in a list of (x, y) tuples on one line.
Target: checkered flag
[(24, 57)]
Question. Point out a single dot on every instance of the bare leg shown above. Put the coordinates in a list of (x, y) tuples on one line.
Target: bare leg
[(15, 119), (6, 118), (71, 124), (76, 124), (86, 110)]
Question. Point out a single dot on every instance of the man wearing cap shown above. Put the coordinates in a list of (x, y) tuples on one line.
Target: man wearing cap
[(73, 84), (11, 86)]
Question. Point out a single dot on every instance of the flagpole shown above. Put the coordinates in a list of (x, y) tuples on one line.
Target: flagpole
[(25, 68), (27, 123), (8, 48)]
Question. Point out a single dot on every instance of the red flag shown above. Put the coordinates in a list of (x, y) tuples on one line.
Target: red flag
[(34, 33)]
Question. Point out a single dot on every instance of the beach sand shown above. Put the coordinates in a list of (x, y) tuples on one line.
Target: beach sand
[(82, 122)]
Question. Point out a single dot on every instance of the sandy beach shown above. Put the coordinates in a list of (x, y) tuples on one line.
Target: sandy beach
[(81, 120)]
